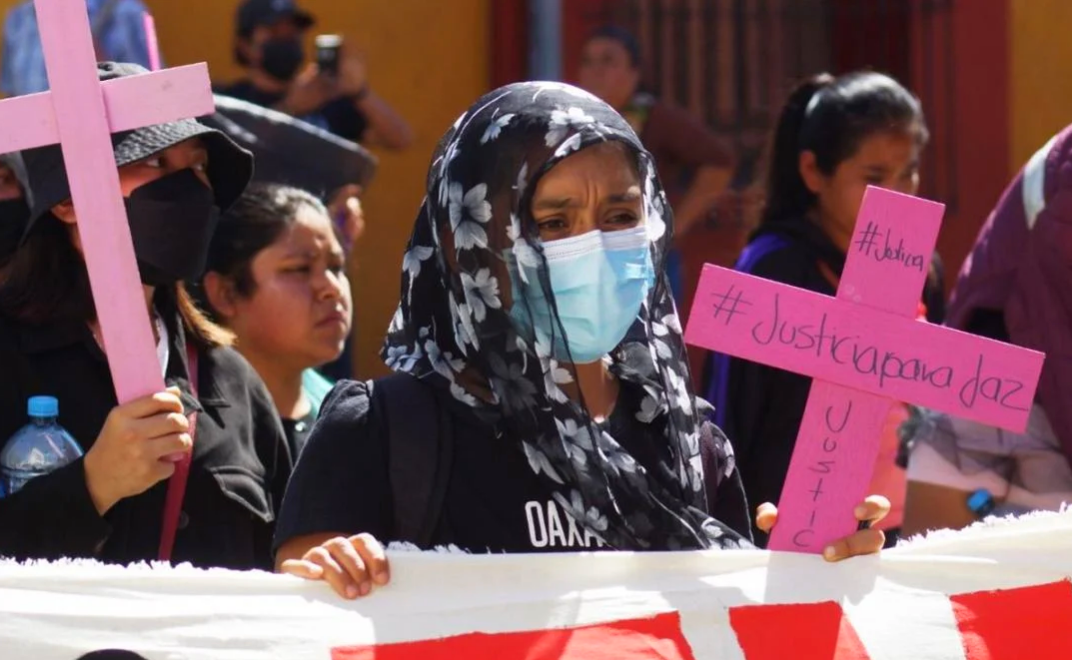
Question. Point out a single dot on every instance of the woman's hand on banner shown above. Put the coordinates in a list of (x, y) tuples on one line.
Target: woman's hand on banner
[(353, 566)]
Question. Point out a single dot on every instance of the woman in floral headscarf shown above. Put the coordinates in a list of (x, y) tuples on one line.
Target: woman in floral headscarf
[(533, 304)]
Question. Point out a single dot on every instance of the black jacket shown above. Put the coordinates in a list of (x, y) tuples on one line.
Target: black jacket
[(240, 463), (762, 407)]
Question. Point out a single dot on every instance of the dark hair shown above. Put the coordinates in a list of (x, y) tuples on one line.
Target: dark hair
[(623, 37), (258, 219), (242, 38), (46, 281), (831, 117), (243, 35), (46, 278), (240, 57)]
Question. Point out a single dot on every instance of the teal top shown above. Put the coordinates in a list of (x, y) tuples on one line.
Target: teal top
[(316, 387)]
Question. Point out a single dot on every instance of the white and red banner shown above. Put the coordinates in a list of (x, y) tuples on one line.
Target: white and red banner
[(996, 593)]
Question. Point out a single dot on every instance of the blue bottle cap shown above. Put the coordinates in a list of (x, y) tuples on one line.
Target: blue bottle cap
[(43, 406)]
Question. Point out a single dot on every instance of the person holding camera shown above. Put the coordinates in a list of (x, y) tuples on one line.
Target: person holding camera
[(332, 93)]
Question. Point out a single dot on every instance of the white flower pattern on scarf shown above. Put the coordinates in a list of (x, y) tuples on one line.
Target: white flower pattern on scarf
[(495, 128), (563, 123), (469, 212), (481, 292)]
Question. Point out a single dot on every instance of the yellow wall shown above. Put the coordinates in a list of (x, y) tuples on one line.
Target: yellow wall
[(1040, 88), (428, 58)]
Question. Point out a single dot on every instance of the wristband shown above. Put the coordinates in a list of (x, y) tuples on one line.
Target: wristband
[(981, 503)]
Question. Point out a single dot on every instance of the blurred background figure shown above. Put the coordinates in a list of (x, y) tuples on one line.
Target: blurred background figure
[(333, 94), (118, 36), (694, 165)]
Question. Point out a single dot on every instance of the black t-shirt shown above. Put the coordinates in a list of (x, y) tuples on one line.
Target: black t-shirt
[(297, 432), (494, 501), (339, 116)]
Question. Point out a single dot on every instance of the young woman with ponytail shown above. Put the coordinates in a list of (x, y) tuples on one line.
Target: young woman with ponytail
[(835, 137)]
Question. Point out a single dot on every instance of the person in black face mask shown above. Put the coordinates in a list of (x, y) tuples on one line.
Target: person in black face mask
[(269, 44), (14, 208), (176, 178)]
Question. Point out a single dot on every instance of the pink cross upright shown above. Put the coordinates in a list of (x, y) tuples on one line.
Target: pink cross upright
[(865, 351), (81, 113)]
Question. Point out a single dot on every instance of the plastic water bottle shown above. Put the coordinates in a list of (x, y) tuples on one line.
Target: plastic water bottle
[(37, 448)]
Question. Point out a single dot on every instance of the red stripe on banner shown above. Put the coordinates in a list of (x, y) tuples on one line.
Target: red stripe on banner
[(1031, 622), (817, 631), (657, 638)]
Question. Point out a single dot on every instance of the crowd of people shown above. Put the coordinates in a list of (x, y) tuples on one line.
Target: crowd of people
[(541, 398)]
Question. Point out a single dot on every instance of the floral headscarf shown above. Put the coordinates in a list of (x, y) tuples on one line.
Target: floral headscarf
[(453, 323)]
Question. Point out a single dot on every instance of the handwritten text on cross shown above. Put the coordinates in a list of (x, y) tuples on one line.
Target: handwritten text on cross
[(900, 358), (865, 351)]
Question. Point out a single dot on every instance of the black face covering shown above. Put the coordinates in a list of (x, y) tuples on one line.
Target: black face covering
[(281, 58), (172, 221), (13, 216)]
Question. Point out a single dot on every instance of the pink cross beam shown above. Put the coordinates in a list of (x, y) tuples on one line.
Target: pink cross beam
[(81, 113), (865, 351)]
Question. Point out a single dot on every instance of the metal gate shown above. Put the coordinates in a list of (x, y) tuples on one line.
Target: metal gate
[(732, 62)]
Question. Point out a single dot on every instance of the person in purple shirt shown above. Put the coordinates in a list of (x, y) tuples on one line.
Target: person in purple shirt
[(1014, 288)]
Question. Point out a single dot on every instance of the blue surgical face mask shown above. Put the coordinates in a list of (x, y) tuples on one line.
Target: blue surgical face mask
[(599, 281)]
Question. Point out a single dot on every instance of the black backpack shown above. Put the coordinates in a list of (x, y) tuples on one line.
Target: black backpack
[(420, 452)]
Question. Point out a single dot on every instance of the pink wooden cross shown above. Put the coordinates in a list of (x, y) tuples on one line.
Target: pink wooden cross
[(865, 351), (81, 113)]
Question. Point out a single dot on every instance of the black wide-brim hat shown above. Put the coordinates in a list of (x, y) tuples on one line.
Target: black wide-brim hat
[(230, 167)]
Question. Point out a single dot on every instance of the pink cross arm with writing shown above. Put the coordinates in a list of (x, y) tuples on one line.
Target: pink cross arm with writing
[(80, 113), (865, 352)]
